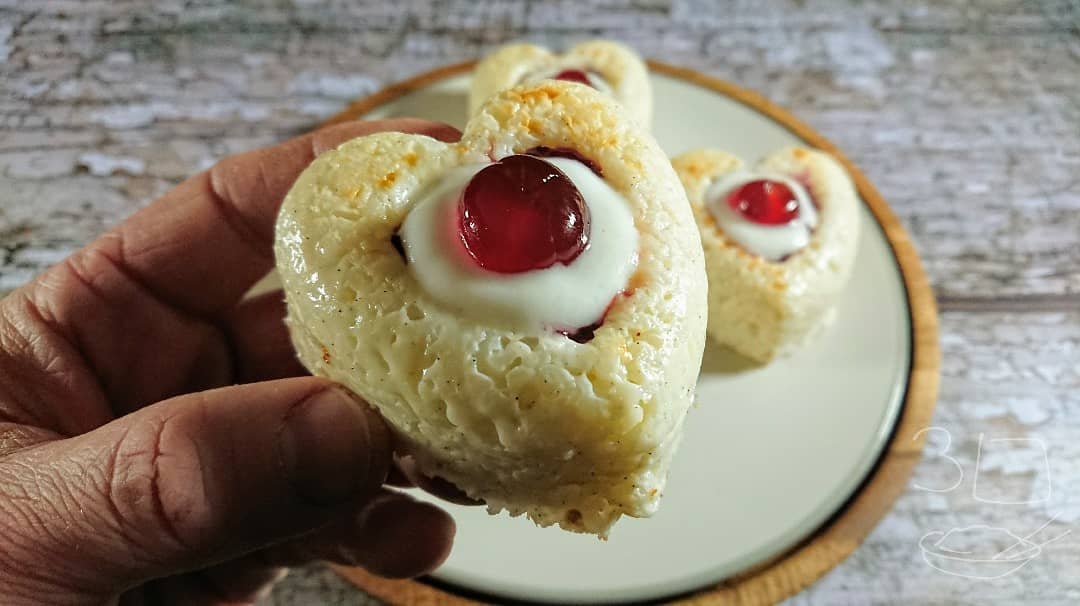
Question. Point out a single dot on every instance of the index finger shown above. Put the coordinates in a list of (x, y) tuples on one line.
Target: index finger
[(202, 245)]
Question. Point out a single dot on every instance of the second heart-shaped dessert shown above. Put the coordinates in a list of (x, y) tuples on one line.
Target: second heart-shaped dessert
[(607, 66), (780, 241), (525, 307)]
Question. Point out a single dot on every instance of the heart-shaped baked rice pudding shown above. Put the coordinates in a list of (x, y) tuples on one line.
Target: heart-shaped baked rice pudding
[(526, 307), (609, 67), (779, 241)]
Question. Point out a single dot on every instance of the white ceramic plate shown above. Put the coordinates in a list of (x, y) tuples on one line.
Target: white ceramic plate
[(770, 453)]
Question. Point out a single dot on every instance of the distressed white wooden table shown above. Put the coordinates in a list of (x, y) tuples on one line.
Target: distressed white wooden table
[(966, 115)]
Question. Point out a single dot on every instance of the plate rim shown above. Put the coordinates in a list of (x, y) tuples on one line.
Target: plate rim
[(837, 537)]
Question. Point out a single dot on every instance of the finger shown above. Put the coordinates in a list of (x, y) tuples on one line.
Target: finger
[(394, 536), (260, 339), (240, 581), (203, 244), (170, 591), (150, 283), (225, 584), (421, 539), (440, 487), (189, 482)]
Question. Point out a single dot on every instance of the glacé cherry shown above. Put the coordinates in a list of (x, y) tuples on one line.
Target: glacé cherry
[(522, 213), (765, 201), (574, 75)]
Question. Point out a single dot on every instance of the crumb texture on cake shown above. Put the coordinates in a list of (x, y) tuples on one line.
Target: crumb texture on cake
[(616, 63), (529, 421), (765, 309)]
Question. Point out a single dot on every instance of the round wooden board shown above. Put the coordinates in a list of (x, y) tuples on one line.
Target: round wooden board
[(808, 561)]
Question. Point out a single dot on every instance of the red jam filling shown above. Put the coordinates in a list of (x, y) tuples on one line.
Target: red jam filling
[(395, 240), (565, 152), (586, 333), (574, 75), (522, 213), (583, 334), (766, 202)]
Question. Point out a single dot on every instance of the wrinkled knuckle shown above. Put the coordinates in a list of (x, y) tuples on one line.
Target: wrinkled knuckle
[(155, 484), (33, 546), (19, 519)]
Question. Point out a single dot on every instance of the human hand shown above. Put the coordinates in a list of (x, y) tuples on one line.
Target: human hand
[(158, 440)]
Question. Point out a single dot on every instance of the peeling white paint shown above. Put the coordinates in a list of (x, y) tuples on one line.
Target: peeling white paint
[(124, 116), (137, 115), (28, 88), (41, 256), (120, 58), (103, 165), (936, 502), (1028, 411), (985, 410), (870, 85), (67, 89), (859, 50), (6, 30), (14, 277), (1015, 456), (923, 57), (39, 164), (317, 107), (332, 85)]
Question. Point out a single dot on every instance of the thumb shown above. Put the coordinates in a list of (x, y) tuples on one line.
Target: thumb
[(188, 482)]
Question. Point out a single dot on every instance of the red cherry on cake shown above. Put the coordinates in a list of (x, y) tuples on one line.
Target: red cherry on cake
[(764, 201), (522, 213), (574, 75)]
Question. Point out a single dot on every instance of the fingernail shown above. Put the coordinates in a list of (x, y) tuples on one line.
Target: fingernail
[(399, 537), (331, 448)]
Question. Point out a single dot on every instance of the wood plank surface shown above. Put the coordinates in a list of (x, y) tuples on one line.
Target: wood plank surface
[(965, 114)]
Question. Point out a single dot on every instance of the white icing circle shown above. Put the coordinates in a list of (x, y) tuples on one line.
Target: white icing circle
[(560, 297), (772, 242)]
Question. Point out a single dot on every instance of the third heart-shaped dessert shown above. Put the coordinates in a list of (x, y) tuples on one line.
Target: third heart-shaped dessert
[(525, 307), (779, 242)]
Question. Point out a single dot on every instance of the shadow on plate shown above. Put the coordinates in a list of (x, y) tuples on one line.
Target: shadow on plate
[(724, 360)]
